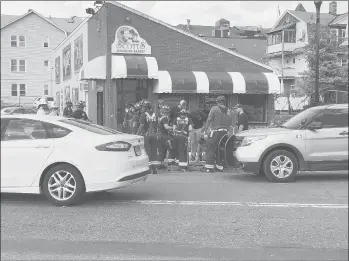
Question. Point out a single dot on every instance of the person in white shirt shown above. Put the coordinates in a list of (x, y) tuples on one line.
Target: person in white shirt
[(41, 110)]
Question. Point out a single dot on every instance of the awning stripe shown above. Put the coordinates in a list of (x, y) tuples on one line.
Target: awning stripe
[(202, 83), (220, 82), (217, 82), (183, 82), (256, 83), (122, 67), (238, 82), (137, 67)]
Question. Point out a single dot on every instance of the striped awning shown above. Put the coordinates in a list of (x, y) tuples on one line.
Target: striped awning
[(122, 67), (217, 82)]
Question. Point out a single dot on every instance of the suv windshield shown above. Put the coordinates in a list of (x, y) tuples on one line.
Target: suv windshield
[(295, 122), (90, 127), (49, 99)]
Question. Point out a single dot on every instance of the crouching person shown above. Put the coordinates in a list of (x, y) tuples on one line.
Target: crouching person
[(182, 126), (148, 129)]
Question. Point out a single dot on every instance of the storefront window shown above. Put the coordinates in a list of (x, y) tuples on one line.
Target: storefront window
[(255, 106), (209, 100)]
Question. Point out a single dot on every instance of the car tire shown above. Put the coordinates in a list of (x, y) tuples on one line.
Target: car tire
[(63, 185), (288, 166)]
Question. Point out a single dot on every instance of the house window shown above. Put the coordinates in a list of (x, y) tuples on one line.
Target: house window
[(46, 65), (254, 106), (14, 91), (13, 65), (18, 66), (46, 42), (22, 90), (17, 41), (22, 65), (46, 89), (289, 36)]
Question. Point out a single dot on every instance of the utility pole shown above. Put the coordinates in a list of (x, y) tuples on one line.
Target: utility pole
[(107, 104), (282, 61), (317, 75)]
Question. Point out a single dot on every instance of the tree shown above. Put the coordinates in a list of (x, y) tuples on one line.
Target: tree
[(332, 75)]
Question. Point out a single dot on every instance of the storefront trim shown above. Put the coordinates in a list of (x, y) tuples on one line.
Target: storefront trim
[(122, 67), (217, 82)]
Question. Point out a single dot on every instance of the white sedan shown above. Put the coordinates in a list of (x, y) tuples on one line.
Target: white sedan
[(65, 158)]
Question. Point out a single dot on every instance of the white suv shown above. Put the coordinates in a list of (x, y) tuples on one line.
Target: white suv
[(50, 101), (313, 140)]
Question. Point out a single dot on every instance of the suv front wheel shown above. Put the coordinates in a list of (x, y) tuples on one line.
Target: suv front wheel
[(280, 166)]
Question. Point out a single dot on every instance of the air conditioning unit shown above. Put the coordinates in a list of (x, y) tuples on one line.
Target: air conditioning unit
[(84, 86)]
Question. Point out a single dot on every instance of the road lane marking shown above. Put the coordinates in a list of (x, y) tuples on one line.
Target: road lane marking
[(243, 204)]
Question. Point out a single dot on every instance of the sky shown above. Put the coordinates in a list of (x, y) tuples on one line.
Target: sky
[(239, 13)]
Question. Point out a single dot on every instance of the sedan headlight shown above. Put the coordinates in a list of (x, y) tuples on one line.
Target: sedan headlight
[(249, 140)]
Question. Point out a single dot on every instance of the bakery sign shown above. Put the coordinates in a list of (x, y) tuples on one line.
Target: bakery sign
[(128, 41)]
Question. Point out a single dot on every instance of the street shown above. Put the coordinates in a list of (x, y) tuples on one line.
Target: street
[(186, 216)]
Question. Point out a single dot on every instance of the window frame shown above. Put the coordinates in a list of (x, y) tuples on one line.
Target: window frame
[(48, 41), (18, 65), (45, 94), (51, 133), (17, 41), (47, 68), (47, 135), (25, 89), (331, 111), (264, 107), (12, 85)]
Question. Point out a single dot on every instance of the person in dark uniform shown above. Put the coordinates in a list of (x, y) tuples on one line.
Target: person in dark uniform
[(181, 128), (148, 124), (219, 123), (175, 111), (68, 110), (127, 125), (134, 123), (163, 131), (242, 118), (79, 113)]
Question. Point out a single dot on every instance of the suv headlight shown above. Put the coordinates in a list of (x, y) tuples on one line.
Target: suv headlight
[(249, 140)]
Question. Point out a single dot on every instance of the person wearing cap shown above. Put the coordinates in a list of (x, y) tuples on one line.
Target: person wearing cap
[(54, 111), (219, 123), (181, 128), (242, 118), (79, 113), (68, 110), (148, 127), (163, 138)]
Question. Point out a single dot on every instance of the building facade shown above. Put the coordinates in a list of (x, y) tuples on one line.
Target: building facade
[(153, 60), (295, 26), (27, 44)]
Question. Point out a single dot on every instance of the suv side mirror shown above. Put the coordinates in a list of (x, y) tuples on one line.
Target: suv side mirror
[(315, 125)]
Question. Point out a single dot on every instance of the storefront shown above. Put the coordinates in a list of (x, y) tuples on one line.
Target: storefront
[(153, 60)]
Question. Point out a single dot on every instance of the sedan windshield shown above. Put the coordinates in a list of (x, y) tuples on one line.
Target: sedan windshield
[(91, 127), (300, 119)]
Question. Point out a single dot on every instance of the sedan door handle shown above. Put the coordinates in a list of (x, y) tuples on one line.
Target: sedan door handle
[(42, 146), (343, 133)]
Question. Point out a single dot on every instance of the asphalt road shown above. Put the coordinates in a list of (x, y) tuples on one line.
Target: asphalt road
[(186, 216)]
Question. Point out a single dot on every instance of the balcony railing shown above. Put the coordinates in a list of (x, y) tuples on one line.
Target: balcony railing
[(276, 48)]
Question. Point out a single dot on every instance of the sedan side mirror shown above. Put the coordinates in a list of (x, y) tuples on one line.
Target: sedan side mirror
[(315, 125)]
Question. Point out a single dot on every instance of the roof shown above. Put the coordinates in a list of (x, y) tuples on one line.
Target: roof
[(340, 19), (310, 17), (61, 23), (252, 48), (204, 30), (189, 34)]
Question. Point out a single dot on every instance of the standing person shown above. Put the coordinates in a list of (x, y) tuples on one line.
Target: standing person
[(135, 118), (176, 109), (148, 127), (41, 110), (68, 110), (79, 113), (127, 125), (219, 122), (242, 118), (181, 128), (163, 131), (198, 118)]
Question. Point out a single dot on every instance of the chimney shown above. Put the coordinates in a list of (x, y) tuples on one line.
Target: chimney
[(333, 8), (188, 24)]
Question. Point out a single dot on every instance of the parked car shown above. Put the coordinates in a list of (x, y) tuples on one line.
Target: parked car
[(66, 158), (48, 99), (17, 110), (313, 140)]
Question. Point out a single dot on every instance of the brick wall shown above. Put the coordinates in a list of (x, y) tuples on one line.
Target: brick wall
[(173, 50)]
